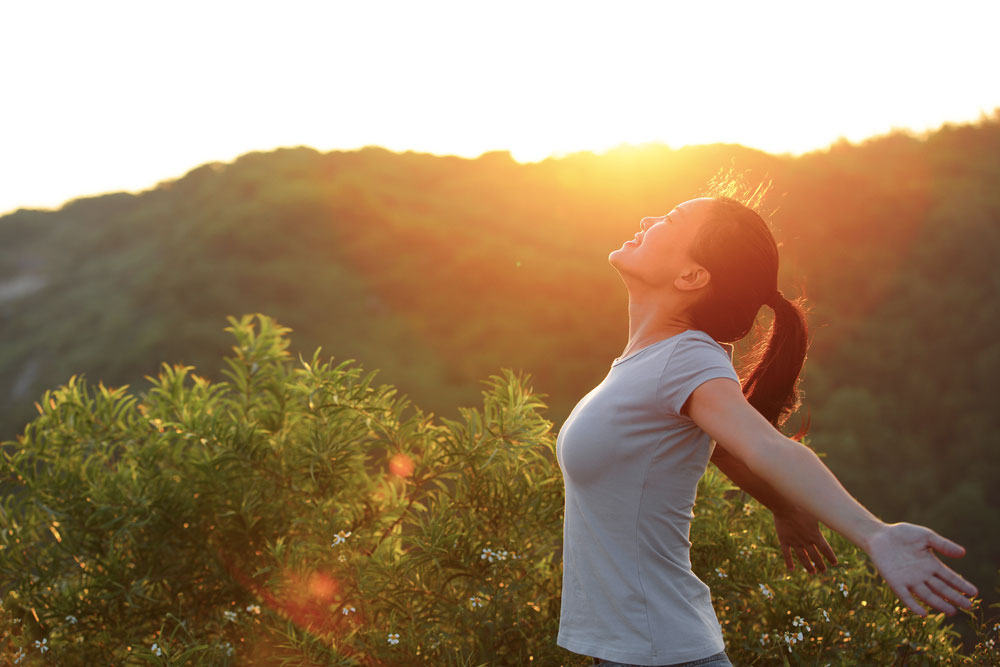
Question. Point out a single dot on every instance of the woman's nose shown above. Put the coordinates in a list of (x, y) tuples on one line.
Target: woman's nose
[(648, 222)]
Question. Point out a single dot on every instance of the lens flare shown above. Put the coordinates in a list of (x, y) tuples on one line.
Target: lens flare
[(401, 465)]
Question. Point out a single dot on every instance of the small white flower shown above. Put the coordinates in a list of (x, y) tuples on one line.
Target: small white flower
[(254, 609), (340, 538), (42, 645), (847, 634), (498, 555), (71, 620), (156, 649), (842, 588), (763, 638), (799, 636), (765, 591), (342, 558), (475, 602), (826, 616), (230, 615), (721, 574), (393, 638), (227, 647), (348, 610), (19, 656)]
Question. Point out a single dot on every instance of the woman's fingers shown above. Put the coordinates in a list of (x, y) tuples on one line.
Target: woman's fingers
[(787, 552), (924, 592), (948, 593), (817, 559), (956, 581), (905, 556), (911, 602), (827, 551), (810, 556), (804, 559)]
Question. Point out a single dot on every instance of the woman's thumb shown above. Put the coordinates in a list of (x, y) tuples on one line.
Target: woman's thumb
[(944, 546)]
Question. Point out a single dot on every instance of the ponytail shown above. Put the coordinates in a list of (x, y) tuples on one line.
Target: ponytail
[(735, 245), (771, 385)]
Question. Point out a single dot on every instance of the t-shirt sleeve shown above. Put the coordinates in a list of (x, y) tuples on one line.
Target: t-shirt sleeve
[(694, 360)]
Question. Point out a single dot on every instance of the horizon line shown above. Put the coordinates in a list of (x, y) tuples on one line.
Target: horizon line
[(919, 135)]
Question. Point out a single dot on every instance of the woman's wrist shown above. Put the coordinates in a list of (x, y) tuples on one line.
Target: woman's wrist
[(866, 529), (784, 509)]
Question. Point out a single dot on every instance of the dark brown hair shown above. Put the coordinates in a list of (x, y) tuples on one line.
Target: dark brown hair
[(737, 248)]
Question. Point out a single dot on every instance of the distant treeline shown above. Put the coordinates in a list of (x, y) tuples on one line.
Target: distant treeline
[(441, 270)]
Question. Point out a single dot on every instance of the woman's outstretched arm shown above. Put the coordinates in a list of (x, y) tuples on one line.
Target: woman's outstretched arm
[(902, 552)]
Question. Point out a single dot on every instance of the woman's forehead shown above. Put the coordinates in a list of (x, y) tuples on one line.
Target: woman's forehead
[(692, 208)]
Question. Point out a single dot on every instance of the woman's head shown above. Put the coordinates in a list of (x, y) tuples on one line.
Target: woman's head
[(712, 258), (716, 259)]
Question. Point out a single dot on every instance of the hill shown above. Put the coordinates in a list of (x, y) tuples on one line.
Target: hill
[(440, 270)]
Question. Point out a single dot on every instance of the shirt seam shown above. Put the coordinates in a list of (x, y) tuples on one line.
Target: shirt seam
[(675, 337), (660, 400), (638, 569), (667, 410)]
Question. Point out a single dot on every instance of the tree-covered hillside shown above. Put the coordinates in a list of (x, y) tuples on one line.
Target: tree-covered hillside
[(439, 271)]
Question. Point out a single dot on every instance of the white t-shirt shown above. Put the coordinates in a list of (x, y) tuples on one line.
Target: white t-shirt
[(631, 464)]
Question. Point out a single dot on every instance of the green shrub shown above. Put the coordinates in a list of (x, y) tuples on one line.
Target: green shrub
[(299, 514)]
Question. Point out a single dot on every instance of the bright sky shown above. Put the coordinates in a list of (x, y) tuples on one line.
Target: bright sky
[(99, 95)]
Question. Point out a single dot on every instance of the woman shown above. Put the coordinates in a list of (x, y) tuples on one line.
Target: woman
[(633, 449)]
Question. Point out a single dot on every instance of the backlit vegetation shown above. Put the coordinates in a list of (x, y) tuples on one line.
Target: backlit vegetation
[(299, 513)]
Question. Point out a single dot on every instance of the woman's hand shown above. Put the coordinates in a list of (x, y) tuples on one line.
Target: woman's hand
[(902, 552), (798, 533), (904, 556)]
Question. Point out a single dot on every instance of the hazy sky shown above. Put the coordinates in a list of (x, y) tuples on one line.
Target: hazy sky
[(100, 95)]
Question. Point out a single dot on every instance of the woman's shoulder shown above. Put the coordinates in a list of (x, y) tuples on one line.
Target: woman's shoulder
[(696, 358), (696, 350), (698, 339)]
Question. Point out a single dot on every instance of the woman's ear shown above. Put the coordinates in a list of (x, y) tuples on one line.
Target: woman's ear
[(694, 277)]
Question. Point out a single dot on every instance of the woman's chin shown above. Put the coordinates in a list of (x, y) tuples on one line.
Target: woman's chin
[(615, 257)]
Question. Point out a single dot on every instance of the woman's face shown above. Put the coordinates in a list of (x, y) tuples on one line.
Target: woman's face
[(658, 253)]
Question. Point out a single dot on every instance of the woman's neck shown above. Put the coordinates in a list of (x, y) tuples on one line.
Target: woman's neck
[(652, 320)]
